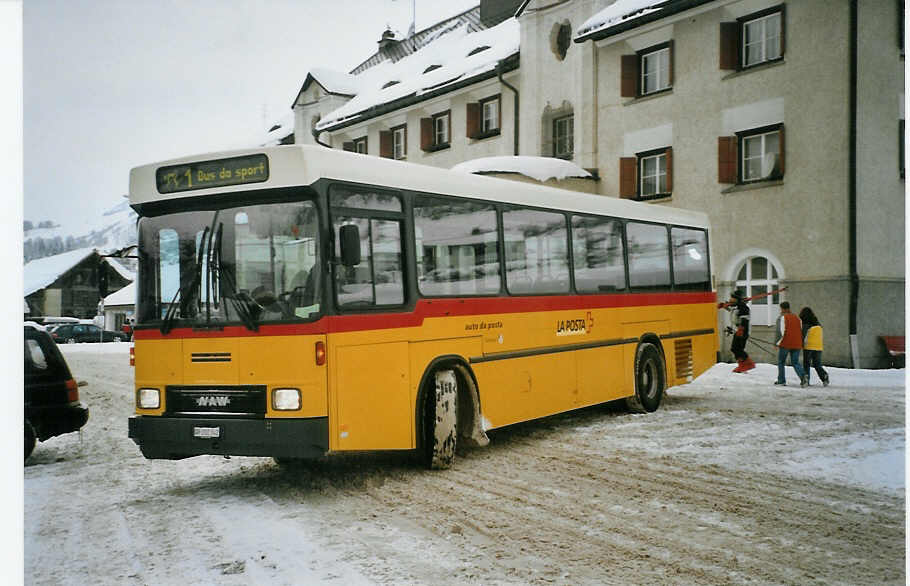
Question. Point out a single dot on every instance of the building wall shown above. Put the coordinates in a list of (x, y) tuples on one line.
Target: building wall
[(462, 148)]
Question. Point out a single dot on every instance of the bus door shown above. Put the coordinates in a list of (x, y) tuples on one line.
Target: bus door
[(369, 379)]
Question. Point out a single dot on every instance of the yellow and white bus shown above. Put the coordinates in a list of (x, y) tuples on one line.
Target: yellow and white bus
[(298, 301)]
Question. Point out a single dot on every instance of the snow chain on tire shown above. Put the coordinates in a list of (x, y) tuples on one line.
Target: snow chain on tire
[(441, 419)]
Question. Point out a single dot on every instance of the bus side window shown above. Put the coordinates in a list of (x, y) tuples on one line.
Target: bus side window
[(378, 279), (649, 256), (598, 252), (536, 252), (690, 259), (457, 247)]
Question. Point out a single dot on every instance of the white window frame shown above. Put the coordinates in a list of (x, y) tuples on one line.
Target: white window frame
[(744, 160), (564, 137), (399, 143), (441, 129), (661, 74), (762, 40), (659, 177), (490, 115), (760, 313)]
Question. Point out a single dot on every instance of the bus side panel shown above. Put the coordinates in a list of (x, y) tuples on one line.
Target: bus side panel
[(424, 353), (372, 399), (519, 389), (601, 376)]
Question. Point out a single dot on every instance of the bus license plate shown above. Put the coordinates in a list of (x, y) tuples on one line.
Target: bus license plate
[(206, 432)]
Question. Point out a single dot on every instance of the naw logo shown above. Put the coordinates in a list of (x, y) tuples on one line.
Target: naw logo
[(213, 401)]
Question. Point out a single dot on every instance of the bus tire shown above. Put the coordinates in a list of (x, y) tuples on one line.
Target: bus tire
[(440, 420), (30, 439), (650, 380)]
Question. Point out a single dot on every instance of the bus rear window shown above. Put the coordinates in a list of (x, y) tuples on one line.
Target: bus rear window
[(690, 259)]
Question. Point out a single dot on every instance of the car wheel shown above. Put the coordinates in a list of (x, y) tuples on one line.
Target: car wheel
[(30, 439), (71, 340)]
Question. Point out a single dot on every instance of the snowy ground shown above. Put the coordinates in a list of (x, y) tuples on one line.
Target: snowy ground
[(733, 480)]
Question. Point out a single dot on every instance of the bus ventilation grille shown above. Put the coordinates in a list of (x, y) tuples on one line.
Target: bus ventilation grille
[(684, 367), (210, 357)]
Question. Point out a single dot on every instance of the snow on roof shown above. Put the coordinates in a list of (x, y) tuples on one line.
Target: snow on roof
[(40, 273), (336, 82), (279, 131), (455, 56), (618, 12), (123, 271), (125, 296), (539, 168)]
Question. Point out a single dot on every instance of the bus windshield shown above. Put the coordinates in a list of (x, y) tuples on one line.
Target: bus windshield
[(248, 264)]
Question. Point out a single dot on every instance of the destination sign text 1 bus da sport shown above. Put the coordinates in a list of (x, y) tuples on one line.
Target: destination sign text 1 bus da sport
[(217, 173)]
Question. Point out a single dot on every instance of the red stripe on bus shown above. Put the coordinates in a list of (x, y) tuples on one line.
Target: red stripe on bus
[(430, 308)]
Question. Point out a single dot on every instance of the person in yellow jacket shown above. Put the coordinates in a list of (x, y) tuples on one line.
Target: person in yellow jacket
[(812, 344)]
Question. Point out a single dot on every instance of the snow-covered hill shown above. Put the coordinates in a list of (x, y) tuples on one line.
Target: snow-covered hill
[(116, 229)]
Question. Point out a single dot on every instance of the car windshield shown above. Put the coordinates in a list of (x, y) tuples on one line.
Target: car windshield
[(248, 264)]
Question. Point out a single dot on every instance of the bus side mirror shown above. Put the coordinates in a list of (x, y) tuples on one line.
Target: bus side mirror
[(350, 245)]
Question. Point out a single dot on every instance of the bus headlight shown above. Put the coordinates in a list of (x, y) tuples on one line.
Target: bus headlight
[(149, 398), (286, 399)]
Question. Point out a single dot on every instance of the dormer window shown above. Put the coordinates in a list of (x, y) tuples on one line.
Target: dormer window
[(478, 50), (433, 67)]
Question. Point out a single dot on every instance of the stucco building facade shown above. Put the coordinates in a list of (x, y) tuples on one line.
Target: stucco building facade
[(782, 121)]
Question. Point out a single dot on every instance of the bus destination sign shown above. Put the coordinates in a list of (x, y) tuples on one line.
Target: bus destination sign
[(218, 173)]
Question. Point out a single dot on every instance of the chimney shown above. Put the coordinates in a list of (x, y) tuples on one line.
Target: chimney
[(387, 39)]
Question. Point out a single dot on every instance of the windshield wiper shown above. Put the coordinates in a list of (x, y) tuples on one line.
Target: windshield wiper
[(240, 305), (187, 292)]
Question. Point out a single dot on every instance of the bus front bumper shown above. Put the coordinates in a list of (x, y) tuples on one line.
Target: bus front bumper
[(173, 438)]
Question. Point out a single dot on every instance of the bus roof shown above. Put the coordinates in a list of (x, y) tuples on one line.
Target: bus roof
[(297, 165)]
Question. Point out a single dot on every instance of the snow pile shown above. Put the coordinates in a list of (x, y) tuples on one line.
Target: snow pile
[(539, 168), (452, 57), (618, 12), (838, 453)]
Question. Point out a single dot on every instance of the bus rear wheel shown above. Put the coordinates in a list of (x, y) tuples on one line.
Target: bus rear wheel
[(440, 420), (650, 380), (30, 439)]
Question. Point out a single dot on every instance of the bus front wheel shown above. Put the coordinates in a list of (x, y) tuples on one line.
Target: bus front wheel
[(440, 420), (650, 380)]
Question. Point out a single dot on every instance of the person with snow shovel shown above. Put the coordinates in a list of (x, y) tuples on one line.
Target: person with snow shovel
[(740, 321)]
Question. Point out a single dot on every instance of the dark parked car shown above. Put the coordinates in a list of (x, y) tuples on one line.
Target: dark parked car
[(72, 333), (52, 405)]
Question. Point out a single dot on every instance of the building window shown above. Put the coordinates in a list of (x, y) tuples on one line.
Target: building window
[(655, 70), (647, 72), (759, 276), (761, 154), (435, 131), (399, 142), (483, 118), (652, 173), (360, 145), (441, 129), (762, 39), (563, 137), (753, 40), (647, 175), (490, 111)]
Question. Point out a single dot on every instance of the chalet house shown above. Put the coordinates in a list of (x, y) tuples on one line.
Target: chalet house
[(68, 284), (783, 121)]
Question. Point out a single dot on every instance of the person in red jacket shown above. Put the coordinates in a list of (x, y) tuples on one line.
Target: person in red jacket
[(789, 343)]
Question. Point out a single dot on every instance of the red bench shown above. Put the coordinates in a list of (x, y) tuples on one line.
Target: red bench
[(895, 346)]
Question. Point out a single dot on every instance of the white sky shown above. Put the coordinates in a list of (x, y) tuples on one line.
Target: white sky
[(111, 84)]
